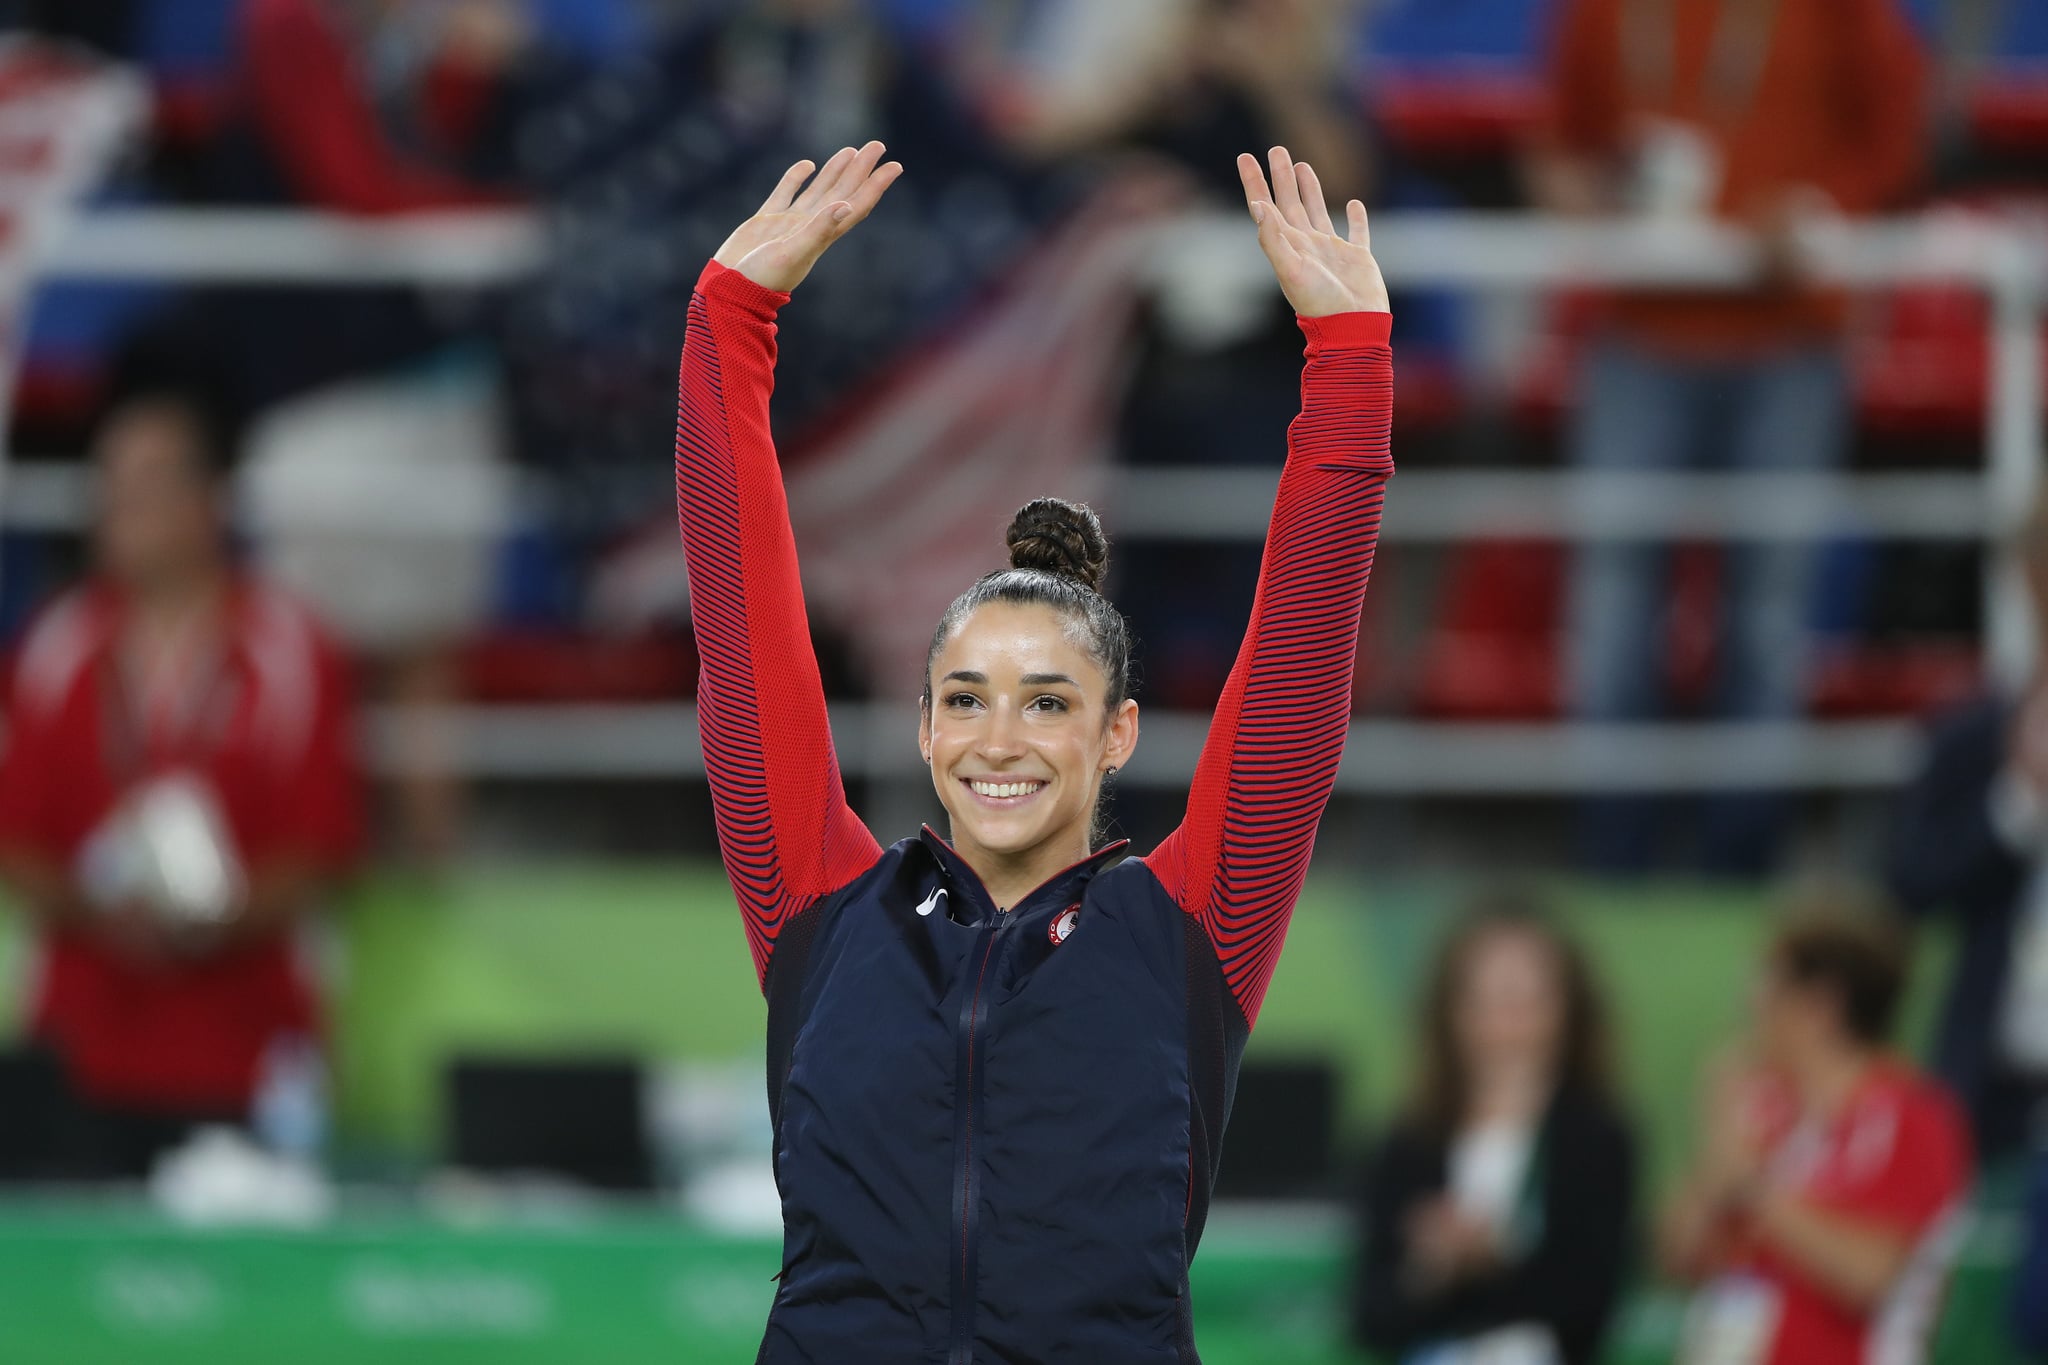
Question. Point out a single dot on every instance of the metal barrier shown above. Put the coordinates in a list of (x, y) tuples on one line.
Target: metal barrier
[(1485, 252)]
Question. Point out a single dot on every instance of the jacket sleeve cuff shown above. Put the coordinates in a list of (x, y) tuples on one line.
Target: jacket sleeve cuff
[(726, 285), (1346, 331)]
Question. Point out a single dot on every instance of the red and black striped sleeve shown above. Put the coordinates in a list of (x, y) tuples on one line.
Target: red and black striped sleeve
[(1238, 859), (786, 832)]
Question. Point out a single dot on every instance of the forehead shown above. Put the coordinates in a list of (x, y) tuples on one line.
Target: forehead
[(157, 437), (1510, 954), (1008, 639)]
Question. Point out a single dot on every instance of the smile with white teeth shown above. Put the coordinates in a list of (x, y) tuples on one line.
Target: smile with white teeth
[(1000, 789)]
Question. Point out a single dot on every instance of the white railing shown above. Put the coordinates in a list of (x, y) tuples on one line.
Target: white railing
[(1485, 252)]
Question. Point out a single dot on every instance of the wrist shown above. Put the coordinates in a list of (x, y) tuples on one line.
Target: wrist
[(1346, 330)]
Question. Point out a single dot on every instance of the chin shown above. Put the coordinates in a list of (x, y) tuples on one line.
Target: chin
[(998, 836)]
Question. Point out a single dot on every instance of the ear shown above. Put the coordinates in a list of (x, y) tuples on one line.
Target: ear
[(924, 730), (1123, 736)]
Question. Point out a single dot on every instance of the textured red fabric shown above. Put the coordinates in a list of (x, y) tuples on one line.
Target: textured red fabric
[(1237, 861), (787, 834)]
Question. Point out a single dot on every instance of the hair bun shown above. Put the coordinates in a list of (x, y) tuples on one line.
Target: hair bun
[(1062, 538)]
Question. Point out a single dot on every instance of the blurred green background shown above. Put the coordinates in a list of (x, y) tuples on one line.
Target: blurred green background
[(651, 960)]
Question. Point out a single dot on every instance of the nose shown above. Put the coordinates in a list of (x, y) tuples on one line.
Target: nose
[(1002, 737)]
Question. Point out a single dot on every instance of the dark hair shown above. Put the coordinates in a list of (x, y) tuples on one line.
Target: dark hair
[(1856, 955), (166, 369), (1442, 1087), (1059, 558)]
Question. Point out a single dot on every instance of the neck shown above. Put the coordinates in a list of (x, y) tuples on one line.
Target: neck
[(1828, 1076), (1508, 1090), (170, 596), (1010, 877)]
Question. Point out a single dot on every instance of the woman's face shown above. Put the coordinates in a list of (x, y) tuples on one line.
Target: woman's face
[(1018, 733), (1510, 1004)]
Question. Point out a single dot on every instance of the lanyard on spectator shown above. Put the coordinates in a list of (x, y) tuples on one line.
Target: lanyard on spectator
[(1736, 54), (197, 715)]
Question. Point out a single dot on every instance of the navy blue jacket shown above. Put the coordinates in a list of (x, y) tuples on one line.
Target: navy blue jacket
[(997, 1129), (1946, 858)]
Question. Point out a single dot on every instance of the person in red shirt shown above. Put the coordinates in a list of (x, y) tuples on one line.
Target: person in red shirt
[(1819, 1218), (1779, 116), (177, 786)]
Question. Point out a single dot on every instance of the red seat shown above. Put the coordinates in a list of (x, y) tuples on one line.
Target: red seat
[(561, 666)]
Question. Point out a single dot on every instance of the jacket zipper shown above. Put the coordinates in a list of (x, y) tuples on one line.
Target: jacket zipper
[(966, 1184)]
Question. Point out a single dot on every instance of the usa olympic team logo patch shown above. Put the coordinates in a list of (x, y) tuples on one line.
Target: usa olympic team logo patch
[(1063, 924)]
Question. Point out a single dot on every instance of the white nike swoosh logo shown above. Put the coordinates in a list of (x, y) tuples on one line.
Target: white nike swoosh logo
[(931, 902)]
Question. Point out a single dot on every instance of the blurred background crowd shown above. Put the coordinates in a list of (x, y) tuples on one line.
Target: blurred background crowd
[(350, 802)]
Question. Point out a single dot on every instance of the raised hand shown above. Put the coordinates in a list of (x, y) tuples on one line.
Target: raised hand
[(1320, 272), (778, 246)]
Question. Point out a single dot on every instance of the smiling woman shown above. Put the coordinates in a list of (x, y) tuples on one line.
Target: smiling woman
[(1032, 708), (999, 1065)]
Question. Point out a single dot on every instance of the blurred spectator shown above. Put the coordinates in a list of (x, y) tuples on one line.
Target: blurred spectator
[(642, 164), (1818, 1217), (1198, 80), (1499, 1211), (2030, 1280), (312, 110), (1771, 113), (178, 787), (1972, 842)]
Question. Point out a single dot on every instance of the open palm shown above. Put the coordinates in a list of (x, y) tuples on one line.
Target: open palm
[(1320, 272), (778, 246)]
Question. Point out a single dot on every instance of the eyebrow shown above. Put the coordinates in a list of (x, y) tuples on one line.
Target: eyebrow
[(968, 675)]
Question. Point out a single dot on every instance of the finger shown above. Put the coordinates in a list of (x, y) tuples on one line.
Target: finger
[(1361, 229), (855, 171), (1286, 193), (1254, 177), (815, 194), (864, 199), (784, 193), (1275, 239), (1312, 198)]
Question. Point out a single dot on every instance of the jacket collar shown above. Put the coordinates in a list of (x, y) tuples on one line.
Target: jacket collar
[(1059, 889)]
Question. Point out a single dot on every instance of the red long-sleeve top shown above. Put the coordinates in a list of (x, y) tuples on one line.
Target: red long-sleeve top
[(1238, 859)]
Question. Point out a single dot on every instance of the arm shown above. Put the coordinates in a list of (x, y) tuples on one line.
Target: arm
[(1857, 1260), (786, 832), (1571, 1277), (1570, 166), (1884, 109), (1238, 859), (309, 101), (2030, 1279), (1384, 1314), (1947, 852)]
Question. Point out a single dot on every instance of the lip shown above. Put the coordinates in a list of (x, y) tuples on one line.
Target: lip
[(1004, 802)]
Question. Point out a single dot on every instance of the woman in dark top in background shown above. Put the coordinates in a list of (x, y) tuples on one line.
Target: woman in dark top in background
[(1498, 1211)]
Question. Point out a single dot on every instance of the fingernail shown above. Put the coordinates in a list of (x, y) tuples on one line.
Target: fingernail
[(1258, 213), (839, 213)]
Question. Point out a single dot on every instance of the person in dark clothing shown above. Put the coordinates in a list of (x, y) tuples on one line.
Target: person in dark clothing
[(1500, 1209), (2030, 1279), (1969, 841)]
